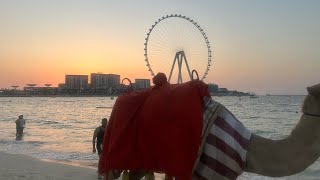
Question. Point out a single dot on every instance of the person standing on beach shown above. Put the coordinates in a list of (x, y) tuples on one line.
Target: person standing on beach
[(99, 134), (20, 125)]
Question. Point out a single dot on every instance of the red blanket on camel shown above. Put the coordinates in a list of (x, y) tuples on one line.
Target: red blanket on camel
[(158, 129)]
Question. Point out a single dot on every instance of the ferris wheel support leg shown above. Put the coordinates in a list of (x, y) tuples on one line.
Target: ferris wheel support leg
[(174, 62), (180, 67), (185, 60)]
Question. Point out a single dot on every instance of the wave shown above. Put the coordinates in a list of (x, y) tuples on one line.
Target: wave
[(24, 143), (49, 122)]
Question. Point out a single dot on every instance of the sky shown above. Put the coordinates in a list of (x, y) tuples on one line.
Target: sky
[(258, 46)]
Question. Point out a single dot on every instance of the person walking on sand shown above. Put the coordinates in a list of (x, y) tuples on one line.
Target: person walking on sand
[(99, 134), (20, 125)]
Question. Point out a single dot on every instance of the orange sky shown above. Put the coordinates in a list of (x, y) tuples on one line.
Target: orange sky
[(262, 47)]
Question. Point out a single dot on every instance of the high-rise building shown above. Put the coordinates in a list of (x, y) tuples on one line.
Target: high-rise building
[(76, 82), (104, 81), (142, 83)]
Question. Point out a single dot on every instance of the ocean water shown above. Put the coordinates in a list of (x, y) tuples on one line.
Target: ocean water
[(61, 128)]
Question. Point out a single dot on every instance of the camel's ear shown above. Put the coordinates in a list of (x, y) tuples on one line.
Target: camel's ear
[(314, 90)]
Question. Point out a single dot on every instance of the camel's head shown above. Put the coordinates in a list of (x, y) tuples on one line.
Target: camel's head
[(312, 101)]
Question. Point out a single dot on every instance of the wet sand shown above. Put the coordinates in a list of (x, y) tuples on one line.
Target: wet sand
[(17, 166)]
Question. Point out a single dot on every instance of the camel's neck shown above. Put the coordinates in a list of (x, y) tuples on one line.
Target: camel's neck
[(287, 156)]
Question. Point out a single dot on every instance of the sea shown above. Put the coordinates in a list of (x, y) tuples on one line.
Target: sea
[(61, 128)]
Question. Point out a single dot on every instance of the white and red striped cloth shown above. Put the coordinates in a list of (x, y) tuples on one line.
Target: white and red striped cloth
[(224, 147)]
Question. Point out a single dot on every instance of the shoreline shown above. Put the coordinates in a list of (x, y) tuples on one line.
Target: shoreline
[(24, 167), (19, 166)]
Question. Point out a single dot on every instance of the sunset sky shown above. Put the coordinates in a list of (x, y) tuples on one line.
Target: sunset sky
[(266, 46)]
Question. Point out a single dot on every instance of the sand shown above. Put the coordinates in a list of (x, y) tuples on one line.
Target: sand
[(17, 166), (22, 167)]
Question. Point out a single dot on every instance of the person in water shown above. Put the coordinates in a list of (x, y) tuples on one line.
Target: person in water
[(20, 125), (99, 134)]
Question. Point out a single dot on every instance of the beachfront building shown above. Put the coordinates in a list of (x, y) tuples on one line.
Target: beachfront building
[(213, 88), (76, 82), (61, 87), (30, 87), (113, 80), (39, 90), (107, 82), (223, 90), (142, 83)]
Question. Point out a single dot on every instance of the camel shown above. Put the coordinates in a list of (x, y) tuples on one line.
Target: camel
[(293, 154), (273, 158)]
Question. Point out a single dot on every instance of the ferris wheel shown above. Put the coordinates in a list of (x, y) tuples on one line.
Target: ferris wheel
[(176, 45)]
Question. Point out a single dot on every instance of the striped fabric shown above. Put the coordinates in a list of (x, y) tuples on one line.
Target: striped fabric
[(224, 147)]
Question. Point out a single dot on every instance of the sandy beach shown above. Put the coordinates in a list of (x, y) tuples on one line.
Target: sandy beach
[(16, 166)]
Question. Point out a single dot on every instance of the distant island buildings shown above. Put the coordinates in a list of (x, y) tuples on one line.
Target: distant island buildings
[(100, 84), (216, 91)]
